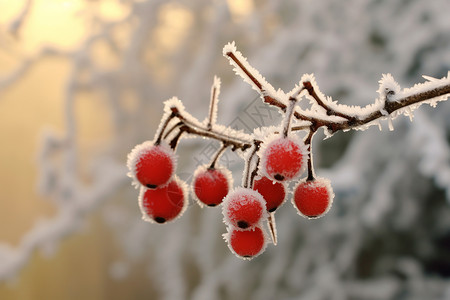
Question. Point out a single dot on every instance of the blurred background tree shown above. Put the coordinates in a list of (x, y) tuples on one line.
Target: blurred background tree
[(82, 82)]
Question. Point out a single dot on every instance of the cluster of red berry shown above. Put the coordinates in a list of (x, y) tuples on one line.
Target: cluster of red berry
[(273, 156), (164, 196)]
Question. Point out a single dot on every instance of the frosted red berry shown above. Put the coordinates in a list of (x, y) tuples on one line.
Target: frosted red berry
[(211, 185), (313, 198), (244, 208), (283, 159), (165, 203), (273, 193), (247, 243), (152, 165)]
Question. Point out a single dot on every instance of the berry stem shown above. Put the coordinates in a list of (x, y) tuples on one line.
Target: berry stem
[(310, 165), (272, 227), (172, 129), (254, 172), (248, 164), (163, 127), (174, 142), (302, 127), (218, 154)]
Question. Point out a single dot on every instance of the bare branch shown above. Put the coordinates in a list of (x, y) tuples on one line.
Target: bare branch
[(218, 154), (248, 177)]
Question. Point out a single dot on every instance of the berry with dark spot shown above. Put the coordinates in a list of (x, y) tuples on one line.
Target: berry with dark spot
[(211, 185), (283, 159), (244, 208), (165, 203), (273, 192)]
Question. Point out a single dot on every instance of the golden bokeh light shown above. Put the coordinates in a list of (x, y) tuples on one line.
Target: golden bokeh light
[(37, 101)]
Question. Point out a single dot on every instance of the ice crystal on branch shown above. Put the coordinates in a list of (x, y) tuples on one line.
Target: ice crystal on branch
[(386, 234)]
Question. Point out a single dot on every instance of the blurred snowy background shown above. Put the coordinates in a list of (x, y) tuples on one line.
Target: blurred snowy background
[(82, 82)]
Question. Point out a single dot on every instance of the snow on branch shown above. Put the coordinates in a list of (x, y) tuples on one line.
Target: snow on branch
[(324, 112)]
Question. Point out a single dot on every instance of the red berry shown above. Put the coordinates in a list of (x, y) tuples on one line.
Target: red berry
[(152, 165), (313, 198), (211, 185), (164, 203), (246, 243), (243, 208), (283, 159), (273, 193)]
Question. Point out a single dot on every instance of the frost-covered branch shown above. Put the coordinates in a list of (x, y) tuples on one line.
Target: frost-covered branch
[(189, 124), (335, 117), (404, 102), (16, 23)]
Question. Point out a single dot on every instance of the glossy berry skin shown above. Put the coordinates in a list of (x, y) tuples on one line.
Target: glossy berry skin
[(211, 185), (313, 198), (247, 243), (152, 165), (283, 159), (163, 204), (244, 208), (273, 193)]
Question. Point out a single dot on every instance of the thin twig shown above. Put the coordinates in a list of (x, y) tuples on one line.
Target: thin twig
[(330, 112), (212, 103), (308, 143), (172, 129), (254, 172), (189, 127), (166, 122), (248, 163), (218, 154), (267, 99), (272, 227), (174, 142), (288, 116)]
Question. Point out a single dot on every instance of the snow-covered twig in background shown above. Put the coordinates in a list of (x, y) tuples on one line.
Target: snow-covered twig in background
[(398, 255)]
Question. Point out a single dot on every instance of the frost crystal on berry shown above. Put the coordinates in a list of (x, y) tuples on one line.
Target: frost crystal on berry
[(151, 165), (283, 158), (163, 204), (210, 186), (274, 193), (313, 198), (246, 244), (244, 208)]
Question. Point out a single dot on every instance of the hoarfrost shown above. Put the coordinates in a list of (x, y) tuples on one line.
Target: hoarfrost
[(388, 88), (138, 151), (318, 182), (233, 230), (271, 147), (340, 256), (239, 197)]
